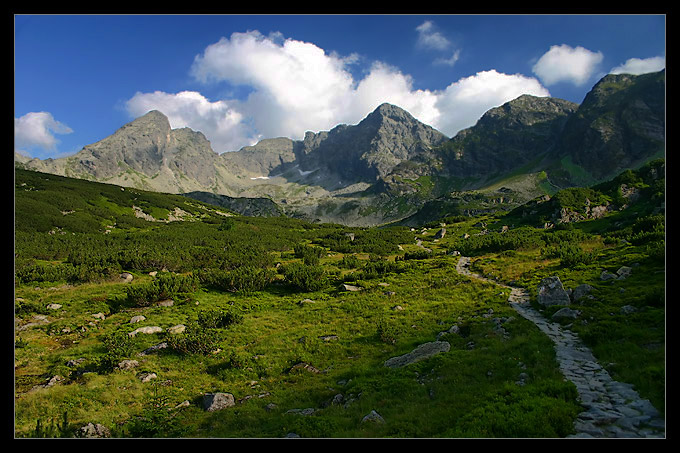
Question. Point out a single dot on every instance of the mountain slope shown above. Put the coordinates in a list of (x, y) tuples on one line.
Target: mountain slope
[(389, 165), (619, 125)]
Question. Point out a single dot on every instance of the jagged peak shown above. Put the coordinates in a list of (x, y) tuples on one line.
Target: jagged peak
[(152, 117)]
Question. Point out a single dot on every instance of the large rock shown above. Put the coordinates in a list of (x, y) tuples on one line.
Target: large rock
[(422, 352), (551, 292), (581, 291), (217, 401)]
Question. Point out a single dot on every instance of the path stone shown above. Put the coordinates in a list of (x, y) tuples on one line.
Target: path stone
[(612, 409)]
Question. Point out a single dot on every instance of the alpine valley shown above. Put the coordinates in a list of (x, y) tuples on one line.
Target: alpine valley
[(390, 167), (377, 280)]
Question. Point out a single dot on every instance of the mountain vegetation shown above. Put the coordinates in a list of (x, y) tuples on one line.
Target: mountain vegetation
[(362, 282), (135, 311)]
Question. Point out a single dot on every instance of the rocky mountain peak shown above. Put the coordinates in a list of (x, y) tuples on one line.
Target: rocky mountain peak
[(152, 121)]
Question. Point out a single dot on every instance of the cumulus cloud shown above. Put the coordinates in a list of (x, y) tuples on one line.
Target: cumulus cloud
[(638, 66), (567, 64), (429, 37), (36, 130), (297, 87), (220, 121)]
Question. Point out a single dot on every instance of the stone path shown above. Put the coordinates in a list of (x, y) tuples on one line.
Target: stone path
[(612, 409)]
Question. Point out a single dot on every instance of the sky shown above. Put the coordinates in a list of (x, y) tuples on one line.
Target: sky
[(242, 78)]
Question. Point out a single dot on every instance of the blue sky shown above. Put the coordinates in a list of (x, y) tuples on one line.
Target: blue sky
[(241, 78)]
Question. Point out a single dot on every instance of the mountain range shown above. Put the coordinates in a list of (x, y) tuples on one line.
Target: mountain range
[(390, 166)]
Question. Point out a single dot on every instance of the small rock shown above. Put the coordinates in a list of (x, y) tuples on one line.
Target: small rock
[(217, 401), (373, 416), (624, 272), (628, 309), (126, 276), (92, 430), (424, 351), (137, 318), (99, 316), (174, 330), (166, 303), (128, 365), (146, 377), (147, 330), (606, 275), (54, 306), (347, 287), (306, 367), (565, 313)]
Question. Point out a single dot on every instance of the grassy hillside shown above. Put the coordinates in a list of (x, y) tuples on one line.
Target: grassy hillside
[(267, 318)]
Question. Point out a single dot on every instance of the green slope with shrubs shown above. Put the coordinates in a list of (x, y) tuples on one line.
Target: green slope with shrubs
[(258, 308)]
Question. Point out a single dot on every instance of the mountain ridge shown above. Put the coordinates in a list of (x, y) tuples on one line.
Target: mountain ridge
[(390, 164)]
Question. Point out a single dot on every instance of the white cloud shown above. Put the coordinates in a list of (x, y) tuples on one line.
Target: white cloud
[(220, 121), (462, 103), (36, 130), (297, 87), (429, 37), (638, 66), (448, 61), (567, 64)]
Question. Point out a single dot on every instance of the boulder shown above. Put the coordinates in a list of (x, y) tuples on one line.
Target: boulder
[(623, 272), (126, 277), (580, 291), (137, 318), (127, 364), (217, 401), (373, 416), (565, 313), (551, 292), (174, 330), (347, 287), (606, 275), (147, 330), (424, 351)]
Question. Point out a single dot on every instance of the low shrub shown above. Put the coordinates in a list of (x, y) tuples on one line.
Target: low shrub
[(165, 286), (305, 277)]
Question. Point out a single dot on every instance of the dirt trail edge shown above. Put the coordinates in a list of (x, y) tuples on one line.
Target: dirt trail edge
[(612, 409)]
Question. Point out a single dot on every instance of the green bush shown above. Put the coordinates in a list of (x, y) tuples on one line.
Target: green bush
[(157, 419), (349, 262), (304, 277), (217, 319), (245, 279), (165, 286), (194, 340)]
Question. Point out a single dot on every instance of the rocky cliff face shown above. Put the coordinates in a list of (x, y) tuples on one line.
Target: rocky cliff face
[(619, 125), (145, 153), (507, 137), (373, 148)]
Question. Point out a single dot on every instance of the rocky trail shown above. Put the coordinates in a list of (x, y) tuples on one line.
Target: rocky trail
[(612, 409)]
